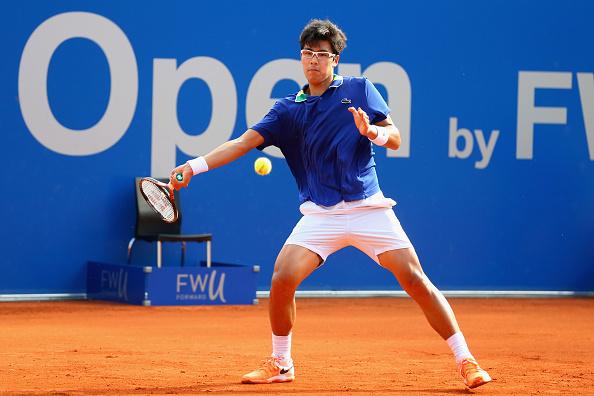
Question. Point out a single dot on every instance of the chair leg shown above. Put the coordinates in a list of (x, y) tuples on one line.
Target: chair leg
[(130, 249), (183, 254), (158, 254)]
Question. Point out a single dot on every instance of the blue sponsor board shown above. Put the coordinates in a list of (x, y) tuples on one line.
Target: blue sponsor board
[(220, 284), (118, 283)]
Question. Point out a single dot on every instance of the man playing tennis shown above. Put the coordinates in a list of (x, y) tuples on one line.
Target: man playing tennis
[(326, 132)]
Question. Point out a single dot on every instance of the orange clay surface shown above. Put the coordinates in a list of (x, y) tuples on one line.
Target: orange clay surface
[(360, 346)]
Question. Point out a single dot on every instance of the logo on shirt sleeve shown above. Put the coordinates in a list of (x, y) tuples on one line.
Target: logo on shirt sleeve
[(345, 101)]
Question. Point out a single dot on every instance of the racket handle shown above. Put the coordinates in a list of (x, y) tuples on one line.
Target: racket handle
[(179, 177)]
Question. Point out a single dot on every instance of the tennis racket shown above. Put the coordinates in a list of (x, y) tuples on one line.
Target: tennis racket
[(159, 197)]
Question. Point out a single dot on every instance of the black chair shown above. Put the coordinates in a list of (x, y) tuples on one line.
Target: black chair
[(150, 228)]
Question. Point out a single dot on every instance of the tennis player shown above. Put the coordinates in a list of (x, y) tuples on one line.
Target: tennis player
[(326, 132)]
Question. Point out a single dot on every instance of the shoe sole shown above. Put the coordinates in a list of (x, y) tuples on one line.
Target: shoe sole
[(266, 381), (478, 382)]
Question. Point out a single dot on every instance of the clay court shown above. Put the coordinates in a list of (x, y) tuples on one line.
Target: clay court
[(359, 346)]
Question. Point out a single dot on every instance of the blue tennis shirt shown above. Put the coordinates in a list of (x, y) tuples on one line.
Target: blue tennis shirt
[(329, 158)]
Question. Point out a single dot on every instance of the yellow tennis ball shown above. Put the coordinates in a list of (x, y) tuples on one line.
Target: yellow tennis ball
[(262, 166)]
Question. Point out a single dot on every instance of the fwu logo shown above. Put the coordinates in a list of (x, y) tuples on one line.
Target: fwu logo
[(193, 286), (115, 282)]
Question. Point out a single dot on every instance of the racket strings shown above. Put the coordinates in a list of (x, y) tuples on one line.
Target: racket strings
[(159, 200)]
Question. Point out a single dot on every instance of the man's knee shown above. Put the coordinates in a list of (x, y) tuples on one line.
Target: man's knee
[(416, 284), (281, 279), (292, 266), (405, 266)]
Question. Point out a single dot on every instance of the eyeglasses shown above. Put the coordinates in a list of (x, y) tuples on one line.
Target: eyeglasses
[(321, 55)]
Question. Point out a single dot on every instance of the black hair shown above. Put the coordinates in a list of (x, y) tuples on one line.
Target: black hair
[(318, 30)]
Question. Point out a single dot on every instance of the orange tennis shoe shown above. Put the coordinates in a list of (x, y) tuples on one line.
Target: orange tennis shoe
[(472, 373), (271, 371)]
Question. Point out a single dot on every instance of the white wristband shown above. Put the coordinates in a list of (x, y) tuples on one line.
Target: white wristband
[(198, 165), (382, 136)]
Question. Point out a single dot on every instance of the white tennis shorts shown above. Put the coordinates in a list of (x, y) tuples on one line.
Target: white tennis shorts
[(370, 225)]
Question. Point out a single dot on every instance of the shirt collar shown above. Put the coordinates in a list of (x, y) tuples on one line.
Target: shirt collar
[(301, 96)]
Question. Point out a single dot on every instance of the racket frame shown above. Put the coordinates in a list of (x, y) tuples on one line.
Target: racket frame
[(167, 191)]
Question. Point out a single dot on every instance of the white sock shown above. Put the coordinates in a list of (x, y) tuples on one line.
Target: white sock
[(281, 348), (458, 345)]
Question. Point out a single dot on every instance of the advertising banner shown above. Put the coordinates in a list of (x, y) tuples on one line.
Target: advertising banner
[(494, 101)]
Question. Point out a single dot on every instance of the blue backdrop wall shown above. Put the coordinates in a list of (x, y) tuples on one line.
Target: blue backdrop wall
[(495, 102)]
